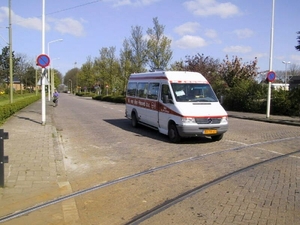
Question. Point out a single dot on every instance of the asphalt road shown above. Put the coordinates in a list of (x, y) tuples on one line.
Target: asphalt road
[(136, 176)]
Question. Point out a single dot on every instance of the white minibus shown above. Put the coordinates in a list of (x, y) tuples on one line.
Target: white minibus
[(177, 103)]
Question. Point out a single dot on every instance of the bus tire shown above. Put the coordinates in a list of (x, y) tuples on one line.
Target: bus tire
[(173, 133), (217, 137), (134, 120)]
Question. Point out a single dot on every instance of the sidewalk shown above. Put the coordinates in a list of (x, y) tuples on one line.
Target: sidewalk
[(35, 165), (35, 171), (287, 120)]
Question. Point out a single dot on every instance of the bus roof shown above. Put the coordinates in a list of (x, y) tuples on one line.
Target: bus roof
[(172, 76)]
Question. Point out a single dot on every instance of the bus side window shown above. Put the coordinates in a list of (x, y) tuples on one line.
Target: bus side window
[(153, 91), (142, 90), (131, 89)]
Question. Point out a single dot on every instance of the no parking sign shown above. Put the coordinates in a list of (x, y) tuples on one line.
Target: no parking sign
[(43, 60), (271, 76)]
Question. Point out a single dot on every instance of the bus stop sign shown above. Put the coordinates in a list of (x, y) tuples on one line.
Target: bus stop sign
[(43, 60)]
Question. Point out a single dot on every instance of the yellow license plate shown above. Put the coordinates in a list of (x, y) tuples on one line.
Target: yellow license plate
[(209, 131)]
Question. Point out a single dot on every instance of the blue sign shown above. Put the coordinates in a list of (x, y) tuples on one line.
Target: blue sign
[(43, 60), (271, 76)]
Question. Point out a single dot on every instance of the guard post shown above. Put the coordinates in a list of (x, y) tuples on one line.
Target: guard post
[(3, 159)]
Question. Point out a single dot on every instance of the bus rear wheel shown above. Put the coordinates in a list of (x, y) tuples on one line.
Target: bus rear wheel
[(134, 120)]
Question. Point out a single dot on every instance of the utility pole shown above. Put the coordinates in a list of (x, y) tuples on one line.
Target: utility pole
[(10, 56), (271, 61), (43, 77)]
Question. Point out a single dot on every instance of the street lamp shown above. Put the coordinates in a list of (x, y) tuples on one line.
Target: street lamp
[(50, 42), (52, 77), (285, 78), (71, 86)]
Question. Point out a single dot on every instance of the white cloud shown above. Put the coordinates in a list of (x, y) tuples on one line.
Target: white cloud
[(189, 41), (237, 49), (211, 8), (260, 55), (211, 33), (64, 26), (69, 26), (34, 23), (187, 28), (119, 3), (3, 13), (243, 33)]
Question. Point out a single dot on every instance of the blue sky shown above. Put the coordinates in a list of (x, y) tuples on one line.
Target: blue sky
[(215, 28)]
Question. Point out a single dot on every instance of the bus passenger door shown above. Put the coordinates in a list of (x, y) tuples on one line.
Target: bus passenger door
[(152, 104), (165, 104)]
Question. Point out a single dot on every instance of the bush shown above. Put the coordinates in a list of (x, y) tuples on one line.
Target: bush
[(280, 103), (110, 98), (8, 110), (246, 96)]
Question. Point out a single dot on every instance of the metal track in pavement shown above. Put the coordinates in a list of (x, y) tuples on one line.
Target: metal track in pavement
[(167, 204), (148, 214)]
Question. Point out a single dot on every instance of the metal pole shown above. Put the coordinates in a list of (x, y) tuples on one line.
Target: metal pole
[(285, 77), (76, 78), (50, 76), (3, 158), (271, 61), (43, 69), (36, 80), (10, 56)]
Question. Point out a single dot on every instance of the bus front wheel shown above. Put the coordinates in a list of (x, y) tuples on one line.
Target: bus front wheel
[(173, 133)]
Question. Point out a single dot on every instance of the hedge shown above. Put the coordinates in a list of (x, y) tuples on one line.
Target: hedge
[(8, 110)]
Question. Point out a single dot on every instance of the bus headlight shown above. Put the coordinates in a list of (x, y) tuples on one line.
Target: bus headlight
[(188, 120), (224, 119)]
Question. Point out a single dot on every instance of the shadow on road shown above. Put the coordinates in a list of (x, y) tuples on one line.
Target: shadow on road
[(151, 133)]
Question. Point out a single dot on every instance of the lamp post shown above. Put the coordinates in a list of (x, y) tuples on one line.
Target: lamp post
[(52, 77), (271, 59), (52, 90), (71, 86), (76, 77), (285, 77)]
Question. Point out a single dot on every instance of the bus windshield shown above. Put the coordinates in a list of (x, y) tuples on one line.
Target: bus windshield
[(193, 92)]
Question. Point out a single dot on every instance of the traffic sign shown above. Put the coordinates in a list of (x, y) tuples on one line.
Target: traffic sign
[(271, 76), (43, 60)]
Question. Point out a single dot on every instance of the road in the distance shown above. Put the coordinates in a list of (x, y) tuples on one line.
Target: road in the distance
[(99, 145)]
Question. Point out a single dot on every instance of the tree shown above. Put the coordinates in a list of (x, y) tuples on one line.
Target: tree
[(205, 65), (70, 79), (159, 51), (21, 69), (138, 47), (126, 63), (298, 38), (107, 68), (235, 70), (29, 79), (4, 64), (294, 70), (86, 76)]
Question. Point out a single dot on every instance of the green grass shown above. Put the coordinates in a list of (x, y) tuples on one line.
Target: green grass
[(5, 98)]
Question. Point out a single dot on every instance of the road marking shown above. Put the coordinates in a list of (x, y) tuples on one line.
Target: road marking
[(69, 207)]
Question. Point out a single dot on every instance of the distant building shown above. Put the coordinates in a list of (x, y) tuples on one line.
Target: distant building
[(278, 86), (17, 86), (294, 82)]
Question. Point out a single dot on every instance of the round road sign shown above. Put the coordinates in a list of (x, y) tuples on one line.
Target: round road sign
[(271, 76), (43, 60)]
